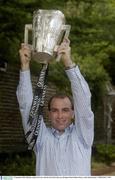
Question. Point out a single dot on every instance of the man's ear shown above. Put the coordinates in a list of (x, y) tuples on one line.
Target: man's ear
[(73, 119)]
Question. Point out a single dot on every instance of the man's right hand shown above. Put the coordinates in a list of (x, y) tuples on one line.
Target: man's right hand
[(25, 56)]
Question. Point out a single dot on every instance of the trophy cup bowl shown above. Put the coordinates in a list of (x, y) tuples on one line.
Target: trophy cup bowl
[(48, 30)]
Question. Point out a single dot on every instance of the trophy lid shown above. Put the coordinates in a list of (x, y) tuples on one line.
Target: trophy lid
[(50, 11)]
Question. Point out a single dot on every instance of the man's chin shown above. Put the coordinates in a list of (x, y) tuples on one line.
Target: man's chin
[(61, 129)]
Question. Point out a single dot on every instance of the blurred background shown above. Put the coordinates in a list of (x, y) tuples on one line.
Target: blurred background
[(93, 49)]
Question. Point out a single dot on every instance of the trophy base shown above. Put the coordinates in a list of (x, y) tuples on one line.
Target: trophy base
[(41, 57)]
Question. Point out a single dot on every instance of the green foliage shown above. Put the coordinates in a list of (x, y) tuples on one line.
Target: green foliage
[(18, 165), (14, 15), (105, 153), (92, 35)]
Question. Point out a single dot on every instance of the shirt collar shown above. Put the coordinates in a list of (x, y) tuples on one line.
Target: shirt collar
[(67, 130)]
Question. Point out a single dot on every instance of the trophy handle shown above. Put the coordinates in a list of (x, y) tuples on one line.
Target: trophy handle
[(65, 28), (28, 27)]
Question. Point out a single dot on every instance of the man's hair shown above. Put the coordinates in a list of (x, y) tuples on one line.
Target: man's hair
[(60, 96)]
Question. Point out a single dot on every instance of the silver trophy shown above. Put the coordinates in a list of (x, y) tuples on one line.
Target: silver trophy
[(48, 30)]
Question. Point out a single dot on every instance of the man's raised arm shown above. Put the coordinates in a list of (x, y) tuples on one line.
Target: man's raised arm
[(84, 118), (24, 89)]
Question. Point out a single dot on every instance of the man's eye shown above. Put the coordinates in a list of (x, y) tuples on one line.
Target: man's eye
[(66, 110), (53, 110)]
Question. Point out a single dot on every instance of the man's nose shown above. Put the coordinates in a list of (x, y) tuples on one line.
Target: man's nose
[(60, 114)]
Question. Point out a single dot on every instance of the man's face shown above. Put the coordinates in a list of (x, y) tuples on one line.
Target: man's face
[(61, 113)]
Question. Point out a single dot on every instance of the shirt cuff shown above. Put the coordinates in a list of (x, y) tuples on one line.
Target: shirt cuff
[(73, 72)]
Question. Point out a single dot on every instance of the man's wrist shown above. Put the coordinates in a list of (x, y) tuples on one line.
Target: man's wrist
[(25, 67), (70, 66)]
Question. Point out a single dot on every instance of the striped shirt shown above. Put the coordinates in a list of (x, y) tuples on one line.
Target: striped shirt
[(68, 154)]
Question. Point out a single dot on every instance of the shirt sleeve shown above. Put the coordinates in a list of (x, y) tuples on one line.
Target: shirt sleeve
[(25, 96), (84, 118)]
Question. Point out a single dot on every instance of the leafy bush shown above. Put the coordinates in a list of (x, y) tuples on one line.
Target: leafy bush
[(18, 164), (105, 153)]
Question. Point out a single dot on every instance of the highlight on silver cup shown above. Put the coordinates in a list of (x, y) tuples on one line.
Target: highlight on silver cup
[(48, 30)]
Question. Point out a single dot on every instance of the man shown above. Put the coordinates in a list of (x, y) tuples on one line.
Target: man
[(64, 149)]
